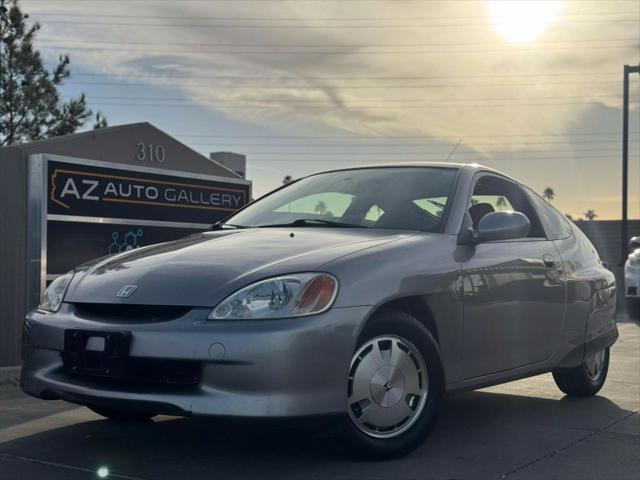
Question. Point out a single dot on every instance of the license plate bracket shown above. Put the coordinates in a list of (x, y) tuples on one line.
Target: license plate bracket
[(98, 353)]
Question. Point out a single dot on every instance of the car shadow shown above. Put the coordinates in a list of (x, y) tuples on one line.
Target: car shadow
[(481, 433)]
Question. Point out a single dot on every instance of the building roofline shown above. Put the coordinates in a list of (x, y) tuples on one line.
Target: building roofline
[(116, 128), (63, 138)]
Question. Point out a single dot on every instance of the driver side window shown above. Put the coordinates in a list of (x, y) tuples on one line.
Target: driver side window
[(495, 194)]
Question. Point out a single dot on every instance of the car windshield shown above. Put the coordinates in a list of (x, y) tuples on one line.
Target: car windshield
[(390, 198)]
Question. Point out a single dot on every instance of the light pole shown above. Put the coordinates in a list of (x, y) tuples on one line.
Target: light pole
[(625, 159)]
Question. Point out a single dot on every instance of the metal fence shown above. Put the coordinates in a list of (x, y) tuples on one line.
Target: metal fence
[(605, 236)]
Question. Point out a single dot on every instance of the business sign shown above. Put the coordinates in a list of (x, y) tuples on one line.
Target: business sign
[(70, 244), (92, 191), (80, 209)]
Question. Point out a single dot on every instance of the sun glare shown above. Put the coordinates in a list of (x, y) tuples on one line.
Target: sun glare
[(521, 20)]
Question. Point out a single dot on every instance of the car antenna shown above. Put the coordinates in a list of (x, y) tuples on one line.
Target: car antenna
[(455, 147)]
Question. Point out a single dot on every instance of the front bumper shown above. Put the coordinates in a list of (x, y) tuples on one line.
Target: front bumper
[(268, 368)]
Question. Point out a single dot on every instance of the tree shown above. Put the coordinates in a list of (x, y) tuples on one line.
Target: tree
[(548, 194), (287, 179), (590, 214), (501, 203), (30, 105), (321, 208), (100, 121)]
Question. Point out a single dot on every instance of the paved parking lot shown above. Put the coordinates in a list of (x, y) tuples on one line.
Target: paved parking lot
[(525, 429)]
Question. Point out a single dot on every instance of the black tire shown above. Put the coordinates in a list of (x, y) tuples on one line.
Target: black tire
[(633, 308), (400, 324), (121, 415), (576, 382)]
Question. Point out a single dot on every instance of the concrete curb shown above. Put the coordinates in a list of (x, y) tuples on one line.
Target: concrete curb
[(9, 375)]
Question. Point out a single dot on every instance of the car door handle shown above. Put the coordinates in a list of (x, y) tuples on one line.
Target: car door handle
[(551, 262)]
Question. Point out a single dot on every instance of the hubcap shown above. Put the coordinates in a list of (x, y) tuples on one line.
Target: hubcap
[(594, 364), (388, 386)]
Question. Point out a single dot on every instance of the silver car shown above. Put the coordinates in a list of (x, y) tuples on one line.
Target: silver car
[(363, 294), (632, 279)]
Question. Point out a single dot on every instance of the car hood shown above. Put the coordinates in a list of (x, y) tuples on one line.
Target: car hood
[(202, 269)]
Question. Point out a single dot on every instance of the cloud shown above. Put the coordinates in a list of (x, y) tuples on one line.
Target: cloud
[(314, 62), (443, 74)]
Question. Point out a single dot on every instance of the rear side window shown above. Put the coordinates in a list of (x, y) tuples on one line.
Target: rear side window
[(558, 226)]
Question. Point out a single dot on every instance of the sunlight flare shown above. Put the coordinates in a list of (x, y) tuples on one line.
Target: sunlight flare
[(523, 21)]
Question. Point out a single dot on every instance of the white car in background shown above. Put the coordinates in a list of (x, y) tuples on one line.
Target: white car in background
[(632, 279)]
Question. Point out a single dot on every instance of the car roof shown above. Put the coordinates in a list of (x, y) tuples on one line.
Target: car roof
[(472, 167)]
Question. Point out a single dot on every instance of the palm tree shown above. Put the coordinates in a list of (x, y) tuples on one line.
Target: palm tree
[(548, 194), (321, 208), (590, 214)]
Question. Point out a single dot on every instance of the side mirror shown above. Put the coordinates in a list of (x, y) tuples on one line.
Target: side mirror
[(496, 226), (634, 243)]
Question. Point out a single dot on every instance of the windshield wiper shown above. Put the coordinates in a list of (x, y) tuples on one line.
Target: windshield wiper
[(314, 222), (222, 226)]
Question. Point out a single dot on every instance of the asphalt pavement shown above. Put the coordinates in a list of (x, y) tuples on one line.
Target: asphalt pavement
[(524, 429)]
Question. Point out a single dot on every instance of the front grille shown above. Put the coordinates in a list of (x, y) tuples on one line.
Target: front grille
[(153, 371), (116, 312)]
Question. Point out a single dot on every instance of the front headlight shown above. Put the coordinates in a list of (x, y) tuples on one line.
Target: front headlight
[(295, 295), (54, 294), (634, 259)]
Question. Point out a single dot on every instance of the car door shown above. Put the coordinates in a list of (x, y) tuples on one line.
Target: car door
[(513, 295)]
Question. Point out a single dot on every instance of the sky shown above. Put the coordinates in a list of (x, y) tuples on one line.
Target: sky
[(531, 88)]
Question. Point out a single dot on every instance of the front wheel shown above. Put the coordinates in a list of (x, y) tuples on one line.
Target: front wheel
[(394, 388), (586, 379)]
